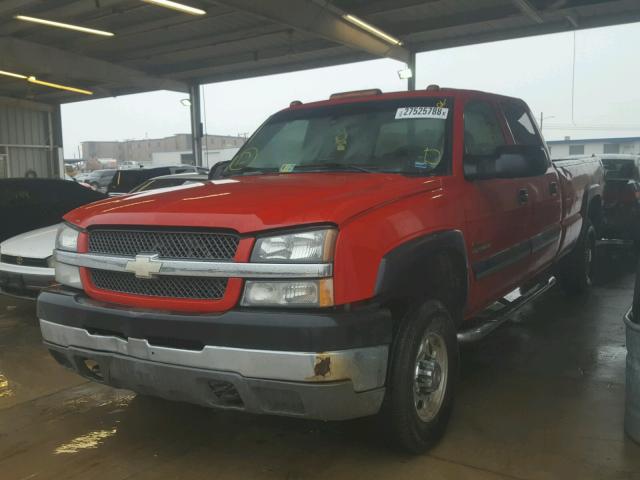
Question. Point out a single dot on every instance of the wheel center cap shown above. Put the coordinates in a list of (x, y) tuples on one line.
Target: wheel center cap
[(429, 376)]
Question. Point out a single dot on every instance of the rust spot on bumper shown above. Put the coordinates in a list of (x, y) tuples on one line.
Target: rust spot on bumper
[(322, 367)]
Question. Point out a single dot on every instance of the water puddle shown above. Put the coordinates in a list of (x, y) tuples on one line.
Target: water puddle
[(85, 442)]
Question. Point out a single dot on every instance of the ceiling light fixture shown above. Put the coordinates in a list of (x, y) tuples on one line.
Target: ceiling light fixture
[(180, 7), (371, 29), (67, 26), (13, 75), (405, 74), (33, 79)]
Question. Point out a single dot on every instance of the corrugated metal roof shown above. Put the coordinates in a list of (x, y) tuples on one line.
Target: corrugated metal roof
[(233, 41)]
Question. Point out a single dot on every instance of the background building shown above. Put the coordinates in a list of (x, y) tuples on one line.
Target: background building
[(589, 146), (142, 151)]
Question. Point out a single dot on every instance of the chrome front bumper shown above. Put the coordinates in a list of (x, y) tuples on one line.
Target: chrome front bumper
[(24, 281), (333, 385)]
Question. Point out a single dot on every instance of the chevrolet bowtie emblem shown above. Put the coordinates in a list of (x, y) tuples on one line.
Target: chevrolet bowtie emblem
[(144, 266)]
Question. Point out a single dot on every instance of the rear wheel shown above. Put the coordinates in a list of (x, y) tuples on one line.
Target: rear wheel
[(577, 269), (423, 371)]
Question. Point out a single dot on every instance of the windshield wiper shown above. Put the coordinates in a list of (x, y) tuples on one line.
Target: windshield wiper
[(248, 171), (334, 166)]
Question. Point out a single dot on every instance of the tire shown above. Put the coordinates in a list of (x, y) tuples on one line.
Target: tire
[(414, 419), (578, 267)]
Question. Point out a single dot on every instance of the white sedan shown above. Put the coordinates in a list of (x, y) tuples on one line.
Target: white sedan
[(26, 262)]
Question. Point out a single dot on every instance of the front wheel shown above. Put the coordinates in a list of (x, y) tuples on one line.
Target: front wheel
[(423, 372), (578, 267)]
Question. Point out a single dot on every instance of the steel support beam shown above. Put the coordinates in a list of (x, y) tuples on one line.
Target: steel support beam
[(30, 58), (529, 10), (196, 123), (411, 64), (57, 155), (309, 17)]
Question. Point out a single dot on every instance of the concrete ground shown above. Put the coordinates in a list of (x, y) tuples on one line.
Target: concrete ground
[(543, 397)]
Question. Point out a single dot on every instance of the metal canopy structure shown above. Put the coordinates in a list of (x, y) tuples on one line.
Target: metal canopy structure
[(157, 48)]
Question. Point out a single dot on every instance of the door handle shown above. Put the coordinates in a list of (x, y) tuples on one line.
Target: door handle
[(553, 188), (523, 196)]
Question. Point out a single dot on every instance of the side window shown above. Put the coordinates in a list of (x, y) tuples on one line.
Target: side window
[(520, 124), (482, 132)]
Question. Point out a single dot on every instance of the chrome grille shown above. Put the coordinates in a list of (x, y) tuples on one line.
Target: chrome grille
[(200, 288), (167, 244)]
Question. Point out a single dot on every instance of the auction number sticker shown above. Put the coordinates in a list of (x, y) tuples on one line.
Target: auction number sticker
[(422, 112)]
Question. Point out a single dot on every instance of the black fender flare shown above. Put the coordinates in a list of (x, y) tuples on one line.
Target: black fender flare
[(402, 271)]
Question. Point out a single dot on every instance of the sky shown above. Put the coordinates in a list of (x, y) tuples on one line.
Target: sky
[(538, 69)]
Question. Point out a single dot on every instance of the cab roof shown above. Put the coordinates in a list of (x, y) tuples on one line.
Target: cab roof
[(357, 96)]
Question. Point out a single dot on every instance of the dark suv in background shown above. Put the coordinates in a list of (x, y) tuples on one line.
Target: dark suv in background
[(621, 197), (100, 179), (126, 180)]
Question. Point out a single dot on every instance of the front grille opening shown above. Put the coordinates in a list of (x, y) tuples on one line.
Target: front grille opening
[(167, 244), (226, 394), (198, 288), (91, 369)]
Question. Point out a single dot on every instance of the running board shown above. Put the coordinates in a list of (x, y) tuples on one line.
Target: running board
[(500, 312)]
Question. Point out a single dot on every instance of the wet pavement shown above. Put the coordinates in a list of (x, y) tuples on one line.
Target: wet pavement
[(543, 397)]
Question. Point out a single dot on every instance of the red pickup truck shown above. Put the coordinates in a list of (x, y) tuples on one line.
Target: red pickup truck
[(333, 269)]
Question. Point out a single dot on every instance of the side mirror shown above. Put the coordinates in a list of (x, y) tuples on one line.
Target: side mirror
[(508, 161), (217, 169)]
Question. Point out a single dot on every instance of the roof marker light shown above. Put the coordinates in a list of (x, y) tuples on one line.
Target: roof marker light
[(356, 93), (371, 29), (179, 7), (67, 26), (33, 79), (13, 75)]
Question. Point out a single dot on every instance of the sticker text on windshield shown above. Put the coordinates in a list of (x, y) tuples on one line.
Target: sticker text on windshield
[(422, 112)]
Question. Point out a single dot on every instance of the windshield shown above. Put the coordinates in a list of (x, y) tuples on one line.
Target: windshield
[(408, 136), (619, 169)]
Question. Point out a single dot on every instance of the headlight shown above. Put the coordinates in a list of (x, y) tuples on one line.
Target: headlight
[(293, 293), (313, 246), (67, 238)]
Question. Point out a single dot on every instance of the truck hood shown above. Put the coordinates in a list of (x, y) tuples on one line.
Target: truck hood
[(34, 244), (256, 202)]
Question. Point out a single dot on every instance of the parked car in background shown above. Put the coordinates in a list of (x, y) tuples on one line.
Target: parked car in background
[(353, 243), (100, 179), (126, 180), (166, 181), (26, 262), (82, 177), (27, 204), (621, 197)]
